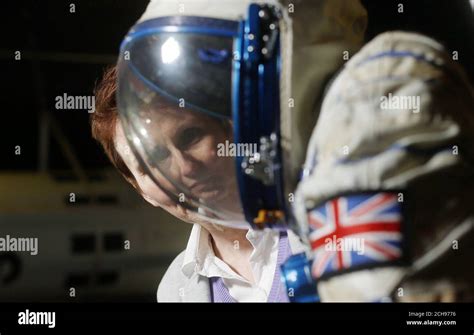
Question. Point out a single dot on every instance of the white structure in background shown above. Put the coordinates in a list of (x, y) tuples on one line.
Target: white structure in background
[(108, 245)]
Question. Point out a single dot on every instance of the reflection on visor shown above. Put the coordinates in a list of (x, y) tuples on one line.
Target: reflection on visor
[(170, 51), (174, 97), (194, 70)]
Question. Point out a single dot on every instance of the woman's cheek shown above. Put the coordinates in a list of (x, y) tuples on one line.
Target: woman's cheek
[(206, 152), (150, 191)]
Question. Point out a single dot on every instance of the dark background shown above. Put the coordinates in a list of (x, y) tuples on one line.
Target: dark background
[(62, 52)]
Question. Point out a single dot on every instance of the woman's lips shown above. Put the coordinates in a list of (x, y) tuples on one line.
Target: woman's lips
[(203, 187), (208, 190)]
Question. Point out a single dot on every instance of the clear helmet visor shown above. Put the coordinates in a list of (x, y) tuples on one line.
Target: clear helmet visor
[(174, 98)]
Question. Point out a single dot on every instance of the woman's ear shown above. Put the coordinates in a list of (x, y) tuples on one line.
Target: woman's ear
[(151, 201)]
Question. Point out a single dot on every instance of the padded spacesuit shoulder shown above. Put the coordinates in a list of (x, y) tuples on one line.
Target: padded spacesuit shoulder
[(398, 119)]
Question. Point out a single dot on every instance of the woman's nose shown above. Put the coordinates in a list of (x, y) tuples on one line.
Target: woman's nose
[(186, 164)]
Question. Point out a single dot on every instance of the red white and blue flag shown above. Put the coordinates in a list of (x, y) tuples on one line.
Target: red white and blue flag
[(355, 231)]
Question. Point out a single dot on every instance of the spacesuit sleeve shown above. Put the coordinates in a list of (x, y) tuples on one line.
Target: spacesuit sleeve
[(397, 121)]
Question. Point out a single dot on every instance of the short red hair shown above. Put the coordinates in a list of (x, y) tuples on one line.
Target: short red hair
[(104, 120)]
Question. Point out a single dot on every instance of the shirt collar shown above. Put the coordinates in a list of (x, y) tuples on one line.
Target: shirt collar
[(199, 248), (195, 253)]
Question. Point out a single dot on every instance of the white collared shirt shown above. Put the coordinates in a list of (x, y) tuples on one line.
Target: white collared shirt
[(199, 257)]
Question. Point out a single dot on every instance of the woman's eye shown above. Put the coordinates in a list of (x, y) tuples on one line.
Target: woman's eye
[(160, 154), (189, 137)]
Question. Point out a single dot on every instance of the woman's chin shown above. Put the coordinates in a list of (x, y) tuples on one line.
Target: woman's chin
[(212, 196)]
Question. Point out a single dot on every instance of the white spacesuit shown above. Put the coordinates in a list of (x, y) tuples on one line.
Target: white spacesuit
[(385, 145), (423, 153)]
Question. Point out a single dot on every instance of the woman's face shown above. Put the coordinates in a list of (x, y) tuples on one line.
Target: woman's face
[(149, 190), (185, 149)]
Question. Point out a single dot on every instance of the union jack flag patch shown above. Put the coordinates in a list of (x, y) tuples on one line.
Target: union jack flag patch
[(356, 231)]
